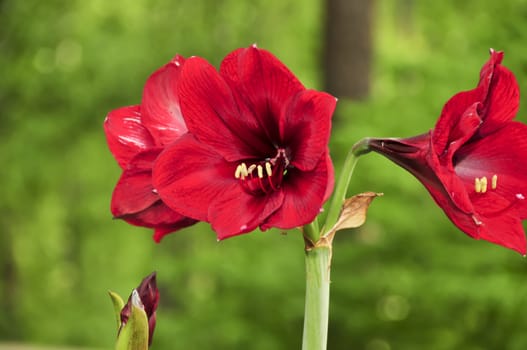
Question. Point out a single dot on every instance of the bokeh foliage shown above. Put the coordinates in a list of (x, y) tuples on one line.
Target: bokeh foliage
[(407, 280)]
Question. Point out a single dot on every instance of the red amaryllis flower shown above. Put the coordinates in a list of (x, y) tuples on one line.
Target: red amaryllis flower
[(149, 297), (473, 161), (257, 150), (136, 135)]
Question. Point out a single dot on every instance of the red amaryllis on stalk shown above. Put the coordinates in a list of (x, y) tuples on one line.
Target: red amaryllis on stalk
[(136, 135), (257, 150), (473, 162)]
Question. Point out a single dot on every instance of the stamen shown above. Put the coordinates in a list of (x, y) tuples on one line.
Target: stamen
[(483, 184), (243, 168), (477, 185), (259, 177), (241, 171), (494, 182), (268, 169)]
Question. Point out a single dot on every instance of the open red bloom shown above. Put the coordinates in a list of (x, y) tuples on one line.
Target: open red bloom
[(136, 135), (257, 150), (473, 161)]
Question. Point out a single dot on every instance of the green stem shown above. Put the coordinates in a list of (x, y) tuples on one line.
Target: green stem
[(318, 261), (311, 231), (341, 187)]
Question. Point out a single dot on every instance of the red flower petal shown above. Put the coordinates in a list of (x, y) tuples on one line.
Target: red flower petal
[(211, 113), (133, 193), (160, 231), (125, 134), (502, 102), (306, 125), (330, 175), (506, 230), (451, 116), (263, 83), (160, 105), (501, 153), (189, 175), (303, 197), (460, 133), (134, 190), (486, 73), (159, 217), (236, 212)]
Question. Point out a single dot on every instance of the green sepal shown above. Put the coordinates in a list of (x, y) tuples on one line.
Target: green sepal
[(118, 305), (134, 334)]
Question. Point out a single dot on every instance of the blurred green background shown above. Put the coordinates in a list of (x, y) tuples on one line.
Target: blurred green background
[(408, 279)]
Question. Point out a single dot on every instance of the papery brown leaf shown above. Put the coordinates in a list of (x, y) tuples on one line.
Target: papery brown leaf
[(353, 213)]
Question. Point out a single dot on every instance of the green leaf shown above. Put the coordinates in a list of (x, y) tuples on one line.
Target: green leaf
[(118, 305)]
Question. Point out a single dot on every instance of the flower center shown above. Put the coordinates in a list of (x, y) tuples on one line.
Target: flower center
[(264, 176)]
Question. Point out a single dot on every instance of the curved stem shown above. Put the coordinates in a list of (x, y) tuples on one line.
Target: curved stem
[(318, 261), (341, 188)]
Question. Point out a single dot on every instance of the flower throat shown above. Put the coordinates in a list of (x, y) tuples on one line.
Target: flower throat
[(265, 176)]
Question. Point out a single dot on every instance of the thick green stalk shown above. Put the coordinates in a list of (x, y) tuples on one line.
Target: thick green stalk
[(318, 261), (341, 187), (318, 258)]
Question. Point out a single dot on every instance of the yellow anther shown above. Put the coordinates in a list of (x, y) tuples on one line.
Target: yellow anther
[(483, 184), (244, 170), (268, 169), (477, 185), (251, 168), (259, 168), (241, 171), (494, 181)]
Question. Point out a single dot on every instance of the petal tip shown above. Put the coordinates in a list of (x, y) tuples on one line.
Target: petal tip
[(496, 56), (178, 60)]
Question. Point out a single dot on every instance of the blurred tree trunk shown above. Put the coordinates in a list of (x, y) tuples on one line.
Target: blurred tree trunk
[(348, 48)]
